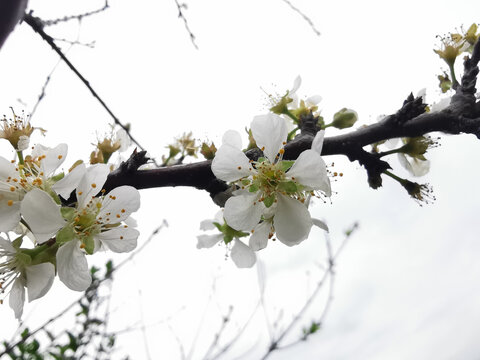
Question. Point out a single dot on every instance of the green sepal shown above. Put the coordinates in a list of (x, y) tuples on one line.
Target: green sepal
[(57, 177), (17, 242), (65, 235), (253, 188), (89, 244), (68, 213), (261, 159), (289, 187), (269, 200), (48, 254), (245, 182), (227, 238), (23, 258), (286, 164)]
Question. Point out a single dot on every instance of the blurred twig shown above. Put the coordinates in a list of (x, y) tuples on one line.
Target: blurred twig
[(181, 7)]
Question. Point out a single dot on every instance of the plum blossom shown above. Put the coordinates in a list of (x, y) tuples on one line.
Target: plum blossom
[(241, 254), (96, 222), (272, 192), (16, 180), (18, 271)]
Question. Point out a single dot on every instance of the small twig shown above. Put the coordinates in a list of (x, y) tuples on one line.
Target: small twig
[(185, 22), (78, 17), (66, 309), (329, 272), (302, 14), (37, 25)]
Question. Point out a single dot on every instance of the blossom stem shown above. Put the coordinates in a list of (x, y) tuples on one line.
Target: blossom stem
[(395, 177), (20, 157), (291, 133), (289, 114), (390, 152), (452, 73)]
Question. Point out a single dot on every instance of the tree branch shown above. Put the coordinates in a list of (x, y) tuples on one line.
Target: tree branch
[(461, 116)]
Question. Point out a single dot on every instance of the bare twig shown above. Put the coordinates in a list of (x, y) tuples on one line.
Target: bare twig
[(37, 25), (69, 307), (303, 15), (331, 258), (78, 17), (182, 7)]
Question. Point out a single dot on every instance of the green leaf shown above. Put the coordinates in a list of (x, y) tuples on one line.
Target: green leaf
[(65, 235), (289, 187), (269, 200), (286, 164), (68, 213)]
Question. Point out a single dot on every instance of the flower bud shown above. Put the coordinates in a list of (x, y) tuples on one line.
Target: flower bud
[(344, 118), (208, 151)]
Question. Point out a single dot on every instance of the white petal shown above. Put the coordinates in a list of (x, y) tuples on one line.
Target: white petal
[(241, 214), (53, 157), (242, 255), (230, 164), (122, 136), (317, 143), (259, 238), (17, 297), (65, 186), (207, 225), (292, 221), (313, 100), (310, 170), (232, 138), (207, 241), (91, 183), (414, 166), (9, 215), (320, 224), (120, 203), (72, 266), (7, 169), (39, 279), (42, 214), (7, 246), (119, 239), (270, 133), (296, 84)]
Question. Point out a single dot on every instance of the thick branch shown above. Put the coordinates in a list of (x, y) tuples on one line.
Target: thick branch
[(462, 116)]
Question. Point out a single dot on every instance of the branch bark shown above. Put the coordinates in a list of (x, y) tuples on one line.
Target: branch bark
[(461, 116)]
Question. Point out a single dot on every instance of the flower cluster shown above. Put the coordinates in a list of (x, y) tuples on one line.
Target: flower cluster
[(63, 232), (271, 194)]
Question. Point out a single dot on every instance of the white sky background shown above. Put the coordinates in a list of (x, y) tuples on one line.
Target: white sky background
[(407, 284)]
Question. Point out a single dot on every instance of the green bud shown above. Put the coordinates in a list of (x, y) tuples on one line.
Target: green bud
[(417, 146), (344, 118), (208, 151)]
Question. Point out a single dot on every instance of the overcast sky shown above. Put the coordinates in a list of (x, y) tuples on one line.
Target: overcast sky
[(407, 284)]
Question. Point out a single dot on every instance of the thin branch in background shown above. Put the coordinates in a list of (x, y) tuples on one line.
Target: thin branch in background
[(37, 25), (69, 307), (216, 338), (47, 80), (90, 44), (331, 258), (181, 7), (303, 15), (142, 327), (179, 342), (78, 17), (235, 338)]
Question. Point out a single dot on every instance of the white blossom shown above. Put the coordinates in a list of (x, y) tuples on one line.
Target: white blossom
[(96, 222), (272, 191), (17, 273), (16, 180)]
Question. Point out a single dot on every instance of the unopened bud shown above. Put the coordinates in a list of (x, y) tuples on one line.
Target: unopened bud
[(208, 151), (344, 118)]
